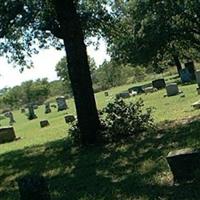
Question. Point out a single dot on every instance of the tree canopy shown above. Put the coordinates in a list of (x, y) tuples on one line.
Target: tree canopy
[(153, 30)]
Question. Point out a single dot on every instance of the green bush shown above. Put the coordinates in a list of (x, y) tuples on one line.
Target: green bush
[(120, 120)]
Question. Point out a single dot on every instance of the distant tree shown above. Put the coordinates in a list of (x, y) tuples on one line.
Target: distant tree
[(155, 31)]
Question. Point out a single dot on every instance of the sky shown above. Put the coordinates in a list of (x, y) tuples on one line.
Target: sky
[(44, 66)]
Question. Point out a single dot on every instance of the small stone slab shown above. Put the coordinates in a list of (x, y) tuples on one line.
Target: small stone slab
[(69, 118), (196, 105), (123, 95), (33, 187), (184, 164), (7, 134), (44, 123), (149, 90)]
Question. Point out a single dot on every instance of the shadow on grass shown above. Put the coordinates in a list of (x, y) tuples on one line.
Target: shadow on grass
[(136, 169)]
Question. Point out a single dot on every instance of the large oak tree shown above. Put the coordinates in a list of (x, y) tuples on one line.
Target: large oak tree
[(28, 25)]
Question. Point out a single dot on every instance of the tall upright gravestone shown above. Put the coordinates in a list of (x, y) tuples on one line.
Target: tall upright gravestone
[(61, 103), (191, 69), (31, 113)]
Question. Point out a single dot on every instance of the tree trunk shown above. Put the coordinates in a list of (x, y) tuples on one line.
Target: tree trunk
[(177, 63), (79, 72)]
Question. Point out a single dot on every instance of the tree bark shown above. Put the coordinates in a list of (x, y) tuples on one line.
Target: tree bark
[(178, 64), (78, 67)]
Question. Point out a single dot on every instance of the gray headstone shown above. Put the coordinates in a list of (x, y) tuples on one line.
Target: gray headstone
[(172, 89), (11, 117), (7, 134), (61, 103)]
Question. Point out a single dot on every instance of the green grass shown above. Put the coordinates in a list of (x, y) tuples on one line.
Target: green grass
[(133, 170)]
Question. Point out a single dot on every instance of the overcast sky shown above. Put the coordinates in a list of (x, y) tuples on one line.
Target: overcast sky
[(44, 66)]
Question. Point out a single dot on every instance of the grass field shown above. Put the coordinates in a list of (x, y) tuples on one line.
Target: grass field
[(133, 170)]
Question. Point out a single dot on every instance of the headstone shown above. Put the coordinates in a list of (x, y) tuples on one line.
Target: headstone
[(149, 90), (47, 108), (106, 94), (185, 75), (197, 74), (11, 117), (69, 118), (159, 83), (184, 164), (44, 123), (191, 68), (7, 134), (31, 113), (172, 89), (138, 89), (123, 95), (196, 105), (61, 103), (33, 188)]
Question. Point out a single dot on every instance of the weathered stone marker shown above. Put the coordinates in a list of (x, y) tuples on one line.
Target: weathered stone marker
[(172, 89), (47, 108), (184, 164), (9, 114), (7, 134), (23, 110), (33, 188), (159, 83), (44, 123), (31, 113), (69, 118), (138, 89), (61, 103)]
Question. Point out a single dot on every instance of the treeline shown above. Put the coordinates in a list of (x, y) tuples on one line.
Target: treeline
[(109, 74), (36, 92)]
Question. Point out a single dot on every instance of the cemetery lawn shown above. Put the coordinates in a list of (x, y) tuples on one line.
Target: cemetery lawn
[(133, 169)]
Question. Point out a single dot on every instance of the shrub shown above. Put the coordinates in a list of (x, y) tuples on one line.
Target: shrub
[(122, 120), (119, 120)]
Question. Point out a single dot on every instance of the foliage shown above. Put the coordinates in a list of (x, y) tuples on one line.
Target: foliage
[(152, 32), (119, 120), (62, 72), (28, 26), (27, 92), (111, 74), (123, 120)]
